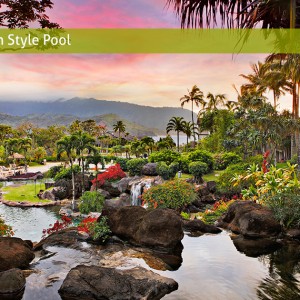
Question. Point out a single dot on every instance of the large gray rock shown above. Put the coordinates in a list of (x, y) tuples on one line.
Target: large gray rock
[(250, 219), (14, 253), (150, 169), (200, 226), (11, 282), (93, 282), (158, 228)]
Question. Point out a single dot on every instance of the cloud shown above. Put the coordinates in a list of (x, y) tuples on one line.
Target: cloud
[(112, 14)]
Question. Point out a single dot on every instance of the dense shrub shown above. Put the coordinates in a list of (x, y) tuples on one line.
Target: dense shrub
[(51, 158), (224, 185), (122, 162), (175, 194), (91, 202), (66, 173), (183, 162), (203, 156), (294, 159), (53, 171), (257, 159), (198, 169), (286, 208), (111, 174), (223, 160), (163, 170), (173, 169), (167, 156), (135, 166), (237, 168)]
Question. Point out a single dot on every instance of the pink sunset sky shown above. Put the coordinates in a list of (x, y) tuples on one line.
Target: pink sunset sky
[(146, 79)]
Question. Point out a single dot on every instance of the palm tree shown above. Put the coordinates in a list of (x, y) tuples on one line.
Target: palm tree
[(231, 105), (67, 145), (215, 101), (237, 13), (189, 129), (119, 127), (256, 80), (195, 96), (175, 124), (24, 144), (148, 142), (83, 141)]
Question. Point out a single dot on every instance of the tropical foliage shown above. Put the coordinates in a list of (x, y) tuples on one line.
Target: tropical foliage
[(91, 202), (175, 194)]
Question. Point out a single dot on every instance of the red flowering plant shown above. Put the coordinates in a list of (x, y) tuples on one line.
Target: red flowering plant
[(5, 230), (265, 162), (57, 226), (111, 174), (97, 229)]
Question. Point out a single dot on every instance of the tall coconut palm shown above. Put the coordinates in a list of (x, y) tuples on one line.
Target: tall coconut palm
[(119, 127), (237, 13), (175, 124), (195, 96), (67, 145), (231, 105)]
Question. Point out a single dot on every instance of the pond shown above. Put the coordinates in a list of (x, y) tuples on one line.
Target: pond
[(28, 223), (212, 268)]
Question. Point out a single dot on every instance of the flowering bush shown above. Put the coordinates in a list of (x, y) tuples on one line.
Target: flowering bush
[(212, 214), (57, 226), (5, 230), (173, 194), (97, 230), (112, 173)]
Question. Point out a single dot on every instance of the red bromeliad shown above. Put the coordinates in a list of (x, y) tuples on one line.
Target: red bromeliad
[(112, 173), (265, 162)]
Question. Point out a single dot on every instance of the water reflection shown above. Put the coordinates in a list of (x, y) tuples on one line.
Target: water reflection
[(28, 223)]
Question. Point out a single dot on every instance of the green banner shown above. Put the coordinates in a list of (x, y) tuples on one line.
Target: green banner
[(149, 41)]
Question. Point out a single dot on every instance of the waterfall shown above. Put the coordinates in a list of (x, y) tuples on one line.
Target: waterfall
[(136, 191)]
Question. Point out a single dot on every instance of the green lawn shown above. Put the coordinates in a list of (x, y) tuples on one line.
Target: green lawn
[(213, 176), (20, 193)]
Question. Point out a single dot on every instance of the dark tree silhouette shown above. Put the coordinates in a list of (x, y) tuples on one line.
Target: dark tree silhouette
[(23, 13)]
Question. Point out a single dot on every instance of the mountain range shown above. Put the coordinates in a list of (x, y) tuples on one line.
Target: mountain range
[(139, 120)]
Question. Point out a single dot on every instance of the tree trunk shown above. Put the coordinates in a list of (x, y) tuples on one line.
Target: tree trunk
[(83, 188), (178, 140), (73, 185), (193, 123)]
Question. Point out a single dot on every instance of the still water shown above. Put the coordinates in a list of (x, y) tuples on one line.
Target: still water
[(28, 223), (212, 268)]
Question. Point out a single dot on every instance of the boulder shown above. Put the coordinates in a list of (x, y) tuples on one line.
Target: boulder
[(208, 199), (158, 228), (255, 247), (202, 191), (14, 253), (125, 199), (48, 194), (200, 226), (250, 219), (69, 237), (93, 282), (150, 169), (111, 188), (104, 193), (116, 202), (11, 282), (124, 185), (211, 186)]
